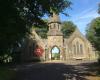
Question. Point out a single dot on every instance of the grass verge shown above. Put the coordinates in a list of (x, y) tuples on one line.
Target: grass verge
[(6, 73)]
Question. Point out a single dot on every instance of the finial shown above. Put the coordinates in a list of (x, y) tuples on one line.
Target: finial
[(54, 18)]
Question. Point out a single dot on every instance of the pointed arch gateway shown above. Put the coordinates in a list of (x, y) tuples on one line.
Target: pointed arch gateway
[(55, 53)]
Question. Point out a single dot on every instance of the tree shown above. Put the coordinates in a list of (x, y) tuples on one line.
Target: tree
[(42, 31), (18, 16), (12, 26), (99, 8), (93, 33), (68, 28)]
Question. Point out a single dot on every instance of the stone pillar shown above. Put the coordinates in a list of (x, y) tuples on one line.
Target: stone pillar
[(49, 53)]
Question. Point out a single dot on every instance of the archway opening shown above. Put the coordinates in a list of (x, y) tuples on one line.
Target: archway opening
[(55, 53)]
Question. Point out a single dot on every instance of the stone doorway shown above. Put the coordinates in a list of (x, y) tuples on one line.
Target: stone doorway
[(55, 53)]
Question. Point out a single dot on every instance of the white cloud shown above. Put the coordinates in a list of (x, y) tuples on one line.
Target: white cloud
[(86, 14), (89, 14), (84, 18)]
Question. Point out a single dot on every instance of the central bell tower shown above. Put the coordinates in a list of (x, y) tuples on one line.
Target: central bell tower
[(55, 36), (54, 25)]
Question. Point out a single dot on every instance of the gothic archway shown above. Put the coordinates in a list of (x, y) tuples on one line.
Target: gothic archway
[(55, 53)]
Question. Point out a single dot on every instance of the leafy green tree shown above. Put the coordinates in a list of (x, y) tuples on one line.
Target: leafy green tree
[(42, 31), (57, 56), (68, 28), (18, 16), (93, 34), (12, 27)]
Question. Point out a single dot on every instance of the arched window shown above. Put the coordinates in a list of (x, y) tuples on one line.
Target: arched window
[(88, 50), (77, 46), (81, 48), (74, 49), (58, 26), (50, 26), (54, 26)]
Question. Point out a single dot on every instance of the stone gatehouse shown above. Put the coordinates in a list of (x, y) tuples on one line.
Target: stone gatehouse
[(74, 47)]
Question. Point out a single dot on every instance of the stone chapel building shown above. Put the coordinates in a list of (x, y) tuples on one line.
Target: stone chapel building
[(74, 47)]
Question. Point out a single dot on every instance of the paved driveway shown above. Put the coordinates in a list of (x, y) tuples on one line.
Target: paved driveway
[(56, 70)]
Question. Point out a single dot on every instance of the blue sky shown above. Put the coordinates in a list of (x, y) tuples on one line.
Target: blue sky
[(82, 12), (55, 50)]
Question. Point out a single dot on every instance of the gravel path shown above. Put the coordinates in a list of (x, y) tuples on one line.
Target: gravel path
[(55, 70)]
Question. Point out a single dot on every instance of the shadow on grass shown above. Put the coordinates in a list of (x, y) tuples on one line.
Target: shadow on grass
[(55, 71), (91, 68), (6, 73)]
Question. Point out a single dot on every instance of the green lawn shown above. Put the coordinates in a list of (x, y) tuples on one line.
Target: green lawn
[(6, 73)]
